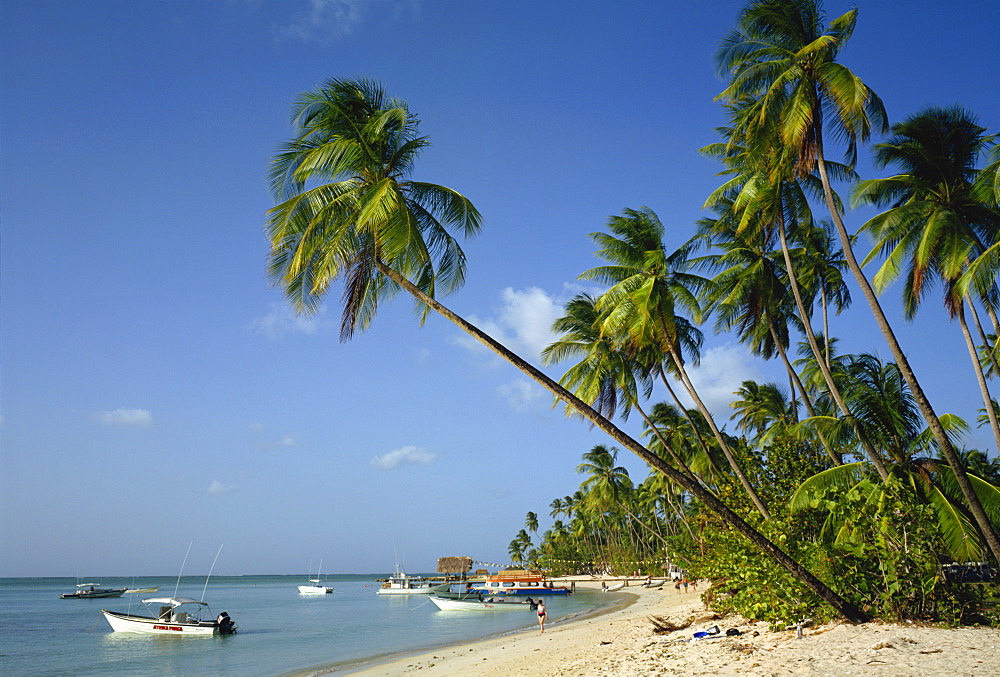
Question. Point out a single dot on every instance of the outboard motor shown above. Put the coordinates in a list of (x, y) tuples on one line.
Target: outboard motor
[(226, 625)]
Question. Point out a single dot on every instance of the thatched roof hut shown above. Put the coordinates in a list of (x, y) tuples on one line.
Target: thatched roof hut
[(454, 565)]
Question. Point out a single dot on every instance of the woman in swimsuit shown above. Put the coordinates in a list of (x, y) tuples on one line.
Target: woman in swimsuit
[(542, 615)]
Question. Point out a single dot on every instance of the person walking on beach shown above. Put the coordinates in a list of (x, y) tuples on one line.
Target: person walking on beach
[(684, 582), (542, 615)]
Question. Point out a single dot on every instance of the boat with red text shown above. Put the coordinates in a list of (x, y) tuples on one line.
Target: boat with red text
[(173, 616)]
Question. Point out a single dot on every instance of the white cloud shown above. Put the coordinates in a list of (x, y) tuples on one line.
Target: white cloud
[(326, 20), (136, 418), (281, 320), (269, 441), (217, 488), (410, 455), (523, 395), (720, 374), (523, 321)]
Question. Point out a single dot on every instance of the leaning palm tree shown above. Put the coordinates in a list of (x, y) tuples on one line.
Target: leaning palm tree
[(783, 66), (640, 310), (939, 218), (348, 211), (605, 377), (749, 293)]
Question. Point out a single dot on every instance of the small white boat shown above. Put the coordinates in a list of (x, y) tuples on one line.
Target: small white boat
[(315, 586), (174, 616), (484, 603), (613, 588), (143, 591), (402, 584), (90, 591)]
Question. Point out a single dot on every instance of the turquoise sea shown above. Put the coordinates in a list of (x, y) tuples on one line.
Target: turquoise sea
[(281, 632)]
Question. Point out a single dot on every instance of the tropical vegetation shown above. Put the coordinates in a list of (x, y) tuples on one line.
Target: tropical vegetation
[(841, 491)]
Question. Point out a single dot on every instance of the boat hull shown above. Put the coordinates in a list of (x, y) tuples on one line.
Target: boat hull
[(519, 589), (476, 605), (145, 625), (314, 590), (411, 589), (93, 594)]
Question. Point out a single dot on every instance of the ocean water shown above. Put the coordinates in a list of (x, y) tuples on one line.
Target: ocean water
[(280, 631)]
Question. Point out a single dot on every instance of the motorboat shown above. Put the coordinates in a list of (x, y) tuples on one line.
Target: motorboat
[(447, 593), (91, 591), (402, 584), (173, 616), (519, 582), (144, 591), (316, 586), (484, 603)]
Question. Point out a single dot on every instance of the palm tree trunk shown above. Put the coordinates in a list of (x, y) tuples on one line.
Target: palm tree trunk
[(687, 416), (733, 463), (842, 606), (659, 435), (971, 499), (977, 368), (797, 382), (826, 323), (823, 360), (990, 350)]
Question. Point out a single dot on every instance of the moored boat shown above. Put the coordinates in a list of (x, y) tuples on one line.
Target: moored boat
[(316, 586), (518, 582), (174, 616), (91, 591), (402, 584), (484, 603)]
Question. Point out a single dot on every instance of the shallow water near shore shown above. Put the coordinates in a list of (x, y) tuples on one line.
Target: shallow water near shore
[(281, 632)]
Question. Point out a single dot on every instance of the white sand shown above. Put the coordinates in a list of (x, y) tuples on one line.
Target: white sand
[(623, 643)]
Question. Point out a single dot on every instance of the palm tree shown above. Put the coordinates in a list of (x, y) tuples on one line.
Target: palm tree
[(531, 522), (519, 547), (606, 483), (763, 411), (605, 377), (768, 199), (558, 507), (750, 292), (369, 226), (889, 417), (783, 67), (939, 219), (640, 308)]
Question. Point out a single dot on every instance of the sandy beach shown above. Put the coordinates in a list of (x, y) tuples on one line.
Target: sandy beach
[(623, 642)]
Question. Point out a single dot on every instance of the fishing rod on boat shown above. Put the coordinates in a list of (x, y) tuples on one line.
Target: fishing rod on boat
[(181, 573), (210, 572)]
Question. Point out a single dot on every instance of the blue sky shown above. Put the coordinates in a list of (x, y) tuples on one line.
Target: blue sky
[(156, 391)]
